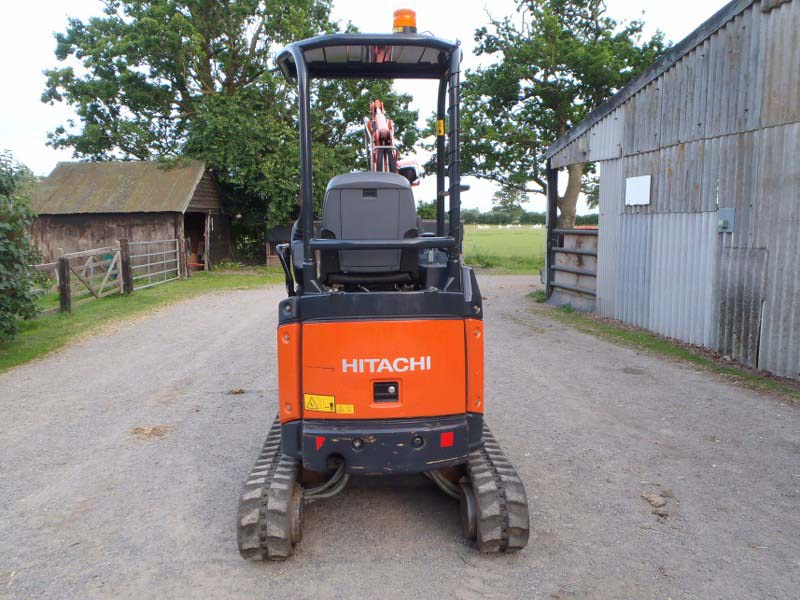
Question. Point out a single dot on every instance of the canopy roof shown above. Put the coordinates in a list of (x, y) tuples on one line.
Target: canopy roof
[(370, 56)]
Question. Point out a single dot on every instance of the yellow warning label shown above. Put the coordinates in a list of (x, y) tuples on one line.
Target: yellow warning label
[(318, 403), (345, 409), (440, 127)]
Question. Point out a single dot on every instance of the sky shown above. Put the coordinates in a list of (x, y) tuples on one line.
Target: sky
[(27, 48)]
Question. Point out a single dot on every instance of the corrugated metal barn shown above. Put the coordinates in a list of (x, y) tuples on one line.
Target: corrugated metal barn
[(84, 205), (699, 163)]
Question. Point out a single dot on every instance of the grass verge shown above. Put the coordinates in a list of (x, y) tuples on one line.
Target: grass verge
[(653, 343), (47, 333), (539, 295)]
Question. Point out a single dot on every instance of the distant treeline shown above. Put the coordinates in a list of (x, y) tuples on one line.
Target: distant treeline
[(500, 216), (494, 217)]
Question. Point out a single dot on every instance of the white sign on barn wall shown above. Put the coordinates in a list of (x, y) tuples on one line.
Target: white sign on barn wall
[(637, 190)]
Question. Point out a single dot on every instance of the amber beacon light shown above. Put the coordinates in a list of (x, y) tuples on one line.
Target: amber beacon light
[(405, 21)]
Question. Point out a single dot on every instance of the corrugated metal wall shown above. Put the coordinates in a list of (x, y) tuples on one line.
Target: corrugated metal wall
[(606, 137), (719, 129), (664, 265), (611, 195), (683, 262), (777, 227), (742, 258), (742, 78), (632, 289)]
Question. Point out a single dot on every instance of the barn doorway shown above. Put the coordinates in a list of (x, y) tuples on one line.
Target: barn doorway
[(194, 230)]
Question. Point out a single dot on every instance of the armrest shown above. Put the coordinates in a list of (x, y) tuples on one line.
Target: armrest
[(412, 243)]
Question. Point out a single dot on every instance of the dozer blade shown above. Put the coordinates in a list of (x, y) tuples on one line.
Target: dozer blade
[(268, 523), (494, 506)]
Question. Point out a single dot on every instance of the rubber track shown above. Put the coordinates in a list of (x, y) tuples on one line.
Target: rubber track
[(501, 503), (263, 524)]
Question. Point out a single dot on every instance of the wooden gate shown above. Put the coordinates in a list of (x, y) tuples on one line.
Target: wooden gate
[(89, 275), (97, 272)]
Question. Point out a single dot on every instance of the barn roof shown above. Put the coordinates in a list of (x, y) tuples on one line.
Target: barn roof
[(670, 58), (117, 187)]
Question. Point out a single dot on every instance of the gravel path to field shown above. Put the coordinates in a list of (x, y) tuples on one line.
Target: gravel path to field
[(121, 459)]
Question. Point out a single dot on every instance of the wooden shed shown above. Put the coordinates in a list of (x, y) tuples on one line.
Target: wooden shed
[(84, 205)]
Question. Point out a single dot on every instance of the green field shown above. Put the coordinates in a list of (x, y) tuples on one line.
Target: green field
[(509, 250)]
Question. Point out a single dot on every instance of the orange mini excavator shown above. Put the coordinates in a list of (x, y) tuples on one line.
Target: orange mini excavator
[(380, 338)]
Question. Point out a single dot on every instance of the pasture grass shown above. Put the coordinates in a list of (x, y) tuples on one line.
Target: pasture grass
[(515, 250)]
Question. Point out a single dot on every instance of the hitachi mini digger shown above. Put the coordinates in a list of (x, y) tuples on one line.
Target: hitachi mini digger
[(380, 340)]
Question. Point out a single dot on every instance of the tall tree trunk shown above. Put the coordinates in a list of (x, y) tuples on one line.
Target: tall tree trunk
[(567, 204)]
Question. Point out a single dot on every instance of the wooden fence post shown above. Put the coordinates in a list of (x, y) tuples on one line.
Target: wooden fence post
[(186, 253), (64, 290), (207, 249), (125, 266)]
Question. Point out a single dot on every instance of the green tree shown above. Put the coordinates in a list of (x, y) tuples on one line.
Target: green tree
[(533, 218), (557, 60), (509, 201), (163, 79), (17, 279), (470, 215), (426, 210)]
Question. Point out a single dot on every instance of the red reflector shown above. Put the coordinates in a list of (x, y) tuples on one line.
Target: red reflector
[(446, 439), (320, 440)]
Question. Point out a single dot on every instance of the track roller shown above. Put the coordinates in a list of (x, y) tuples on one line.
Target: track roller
[(469, 518), (492, 499)]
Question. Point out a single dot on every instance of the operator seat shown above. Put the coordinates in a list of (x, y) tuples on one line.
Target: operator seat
[(369, 206)]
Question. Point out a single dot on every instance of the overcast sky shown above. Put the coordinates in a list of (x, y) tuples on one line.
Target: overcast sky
[(27, 44)]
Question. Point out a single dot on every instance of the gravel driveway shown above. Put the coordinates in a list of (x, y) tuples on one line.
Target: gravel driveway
[(121, 459)]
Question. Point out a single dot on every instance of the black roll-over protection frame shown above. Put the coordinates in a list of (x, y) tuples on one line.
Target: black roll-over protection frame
[(381, 56)]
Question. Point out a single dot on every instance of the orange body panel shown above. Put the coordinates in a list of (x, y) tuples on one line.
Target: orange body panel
[(473, 330), (289, 372), (342, 360)]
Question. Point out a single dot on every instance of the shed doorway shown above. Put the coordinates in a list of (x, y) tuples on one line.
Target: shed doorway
[(195, 228)]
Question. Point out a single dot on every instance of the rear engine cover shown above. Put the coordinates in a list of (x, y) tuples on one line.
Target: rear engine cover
[(350, 368)]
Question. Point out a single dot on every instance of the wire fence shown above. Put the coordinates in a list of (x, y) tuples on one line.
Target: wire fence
[(47, 285)]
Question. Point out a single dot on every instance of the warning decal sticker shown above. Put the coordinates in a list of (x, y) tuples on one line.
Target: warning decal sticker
[(318, 403)]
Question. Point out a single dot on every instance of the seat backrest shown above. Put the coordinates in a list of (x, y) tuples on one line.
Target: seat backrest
[(369, 206)]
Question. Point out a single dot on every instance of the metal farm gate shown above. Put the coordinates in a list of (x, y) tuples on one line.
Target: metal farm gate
[(154, 263)]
